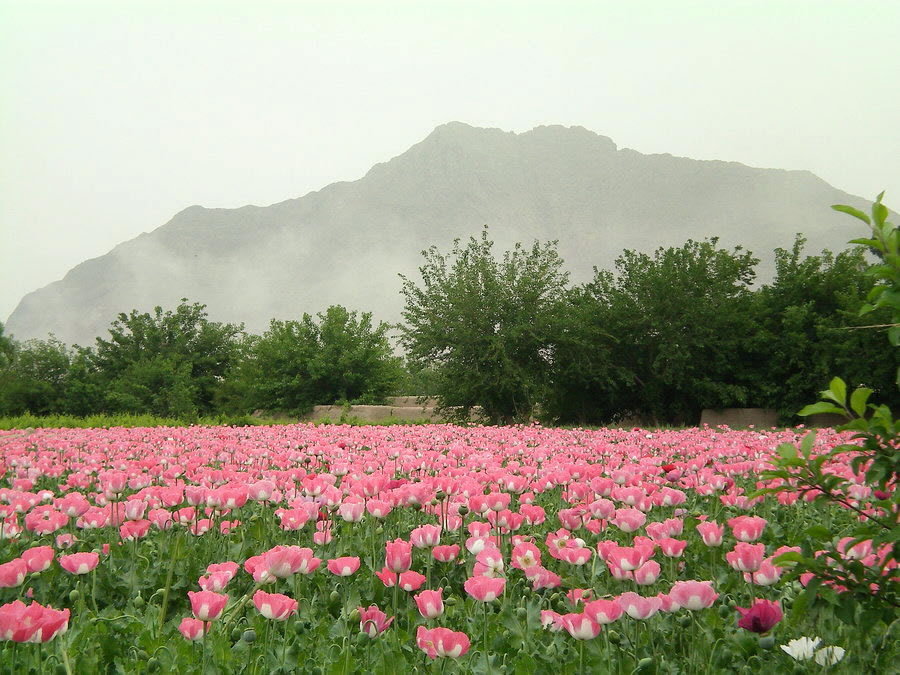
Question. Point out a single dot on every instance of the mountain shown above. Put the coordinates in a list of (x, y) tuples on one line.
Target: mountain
[(346, 244)]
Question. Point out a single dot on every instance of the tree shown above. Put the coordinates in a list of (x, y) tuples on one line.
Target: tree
[(680, 321), (295, 365), (168, 363), (7, 348), (588, 382), (488, 327), (33, 381), (809, 323)]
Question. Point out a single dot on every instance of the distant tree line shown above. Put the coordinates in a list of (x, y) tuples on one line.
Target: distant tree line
[(657, 339)]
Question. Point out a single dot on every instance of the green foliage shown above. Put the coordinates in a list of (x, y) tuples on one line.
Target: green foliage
[(809, 324), (680, 320), (165, 363), (106, 421), (418, 380), (488, 327), (588, 382), (33, 379), (7, 348), (865, 590), (295, 365)]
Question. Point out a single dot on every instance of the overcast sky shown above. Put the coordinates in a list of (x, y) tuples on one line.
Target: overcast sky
[(116, 115)]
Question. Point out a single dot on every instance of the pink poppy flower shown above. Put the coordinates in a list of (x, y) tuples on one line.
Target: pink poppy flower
[(65, 540), (193, 629), (639, 607), (79, 563), (647, 573), (488, 562), (206, 605), (575, 555), (672, 548), (711, 532), (134, 529), (430, 603), (12, 573), (373, 621), (216, 582), (761, 617), (445, 553), (442, 642), (134, 509), (38, 558), (351, 512), (274, 605), (292, 519), (485, 589), (746, 557), (525, 555), (411, 580), (32, 623), (388, 578), (628, 520), (229, 568), (747, 528), (398, 555), (767, 574), (693, 595), (542, 578), (551, 620), (603, 611), (378, 508), (343, 567), (580, 626), (425, 536)]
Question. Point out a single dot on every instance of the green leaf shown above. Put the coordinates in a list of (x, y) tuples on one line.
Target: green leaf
[(821, 407), (859, 397), (806, 445), (818, 532), (787, 451), (879, 213), (846, 611), (849, 210), (789, 557), (894, 336), (839, 389)]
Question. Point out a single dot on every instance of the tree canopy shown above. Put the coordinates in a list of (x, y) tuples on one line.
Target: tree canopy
[(487, 326)]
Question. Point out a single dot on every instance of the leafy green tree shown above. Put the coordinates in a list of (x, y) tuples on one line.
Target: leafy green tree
[(33, 381), (339, 356), (588, 382), (170, 363), (7, 348), (680, 320), (85, 389), (809, 325), (488, 327)]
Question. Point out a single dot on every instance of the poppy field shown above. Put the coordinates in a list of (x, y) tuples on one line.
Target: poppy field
[(436, 548)]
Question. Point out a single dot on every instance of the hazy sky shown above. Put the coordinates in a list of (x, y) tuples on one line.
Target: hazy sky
[(116, 115)]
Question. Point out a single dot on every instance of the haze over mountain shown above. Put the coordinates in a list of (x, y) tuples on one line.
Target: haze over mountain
[(346, 244)]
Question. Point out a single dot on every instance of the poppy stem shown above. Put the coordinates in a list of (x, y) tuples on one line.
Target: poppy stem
[(487, 665)]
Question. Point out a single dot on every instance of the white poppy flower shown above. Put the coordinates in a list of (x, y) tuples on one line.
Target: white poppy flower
[(801, 649), (828, 656)]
